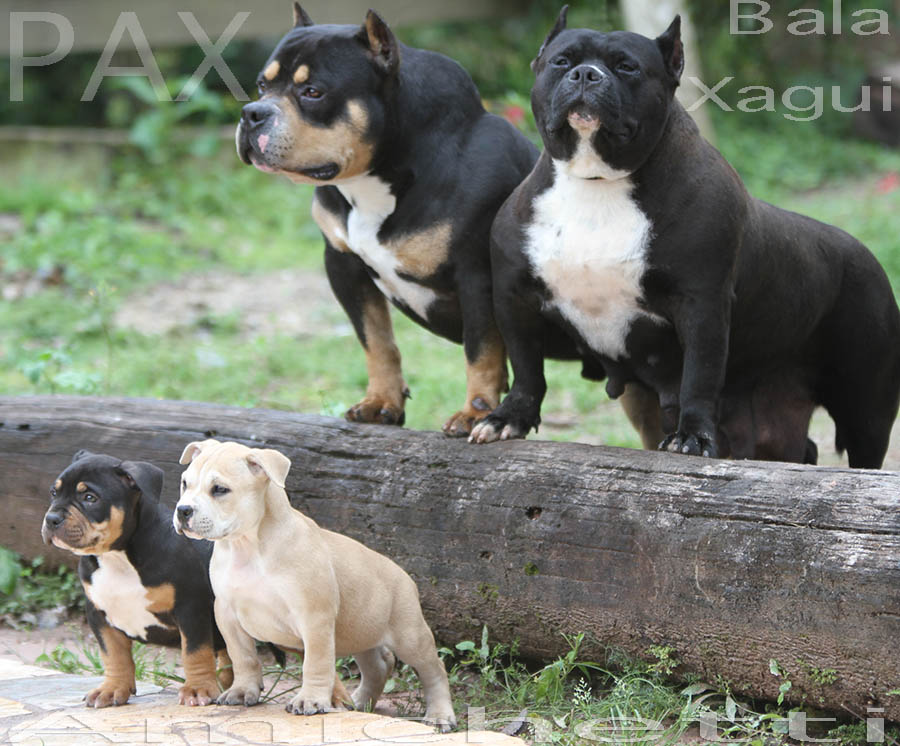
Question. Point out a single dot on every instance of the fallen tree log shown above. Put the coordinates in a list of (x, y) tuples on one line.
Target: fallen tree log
[(732, 564)]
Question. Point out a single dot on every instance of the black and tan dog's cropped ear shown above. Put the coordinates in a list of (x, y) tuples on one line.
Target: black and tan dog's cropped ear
[(672, 49), (192, 450), (559, 26), (145, 476), (274, 464), (382, 43), (83, 453), (301, 17)]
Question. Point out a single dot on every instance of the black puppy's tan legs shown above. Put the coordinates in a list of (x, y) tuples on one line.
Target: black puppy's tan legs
[(486, 380), (641, 406), (369, 312), (118, 665)]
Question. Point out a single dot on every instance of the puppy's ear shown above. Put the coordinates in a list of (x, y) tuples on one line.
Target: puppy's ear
[(382, 43), (191, 450), (146, 477), (272, 463), (83, 453), (672, 49), (301, 17), (559, 26)]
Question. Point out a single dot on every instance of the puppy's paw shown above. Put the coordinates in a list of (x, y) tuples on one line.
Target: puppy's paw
[(441, 718), (110, 692), (198, 693), (245, 694), (691, 444), (460, 425), (311, 703), (378, 410), (494, 428)]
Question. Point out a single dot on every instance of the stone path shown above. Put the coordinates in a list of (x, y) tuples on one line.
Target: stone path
[(40, 707)]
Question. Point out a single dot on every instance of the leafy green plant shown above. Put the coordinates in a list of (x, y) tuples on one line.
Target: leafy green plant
[(29, 587)]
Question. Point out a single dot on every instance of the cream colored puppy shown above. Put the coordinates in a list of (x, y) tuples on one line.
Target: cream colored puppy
[(280, 578)]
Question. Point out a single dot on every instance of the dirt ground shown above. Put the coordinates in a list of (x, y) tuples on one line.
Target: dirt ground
[(193, 298)]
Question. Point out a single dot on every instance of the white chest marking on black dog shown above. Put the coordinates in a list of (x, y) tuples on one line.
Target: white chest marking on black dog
[(588, 242), (116, 589), (371, 203)]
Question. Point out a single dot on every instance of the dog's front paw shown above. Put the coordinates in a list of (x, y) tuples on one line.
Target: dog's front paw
[(246, 694), (198, 694), (496, 427), (311, 703), (460, 425), (110, 692), (377, 410), (692, 444)]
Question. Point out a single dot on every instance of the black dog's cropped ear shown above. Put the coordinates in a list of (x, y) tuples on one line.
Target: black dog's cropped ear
[(672, 49), (301, 17), (146, 477), (382, 43), (83, 453), (559, 26)]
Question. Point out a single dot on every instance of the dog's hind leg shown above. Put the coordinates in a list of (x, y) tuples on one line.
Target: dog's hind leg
[(417, 648), (375, 665)]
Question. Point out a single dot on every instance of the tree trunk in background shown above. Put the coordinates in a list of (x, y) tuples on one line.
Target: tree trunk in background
[(732, 564), (651, 18)]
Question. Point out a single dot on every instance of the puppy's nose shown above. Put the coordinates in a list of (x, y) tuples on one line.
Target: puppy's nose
[(184, 512), (586, 74), (257, 113), (54, 520)]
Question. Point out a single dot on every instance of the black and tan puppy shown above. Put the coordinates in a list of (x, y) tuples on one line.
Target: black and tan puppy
[(142, 580), (410, 171), (634, 246)]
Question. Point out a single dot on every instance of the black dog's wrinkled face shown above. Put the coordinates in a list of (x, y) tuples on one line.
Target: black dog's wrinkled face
[(602, 100), (92, 502), (321, 106)]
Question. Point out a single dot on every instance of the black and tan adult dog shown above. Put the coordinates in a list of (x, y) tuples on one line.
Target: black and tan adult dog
[(142, 580), (410, 171), (634, 246)]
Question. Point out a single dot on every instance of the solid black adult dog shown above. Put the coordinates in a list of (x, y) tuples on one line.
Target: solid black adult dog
[(410, 171), (142, 580), (634, 246)]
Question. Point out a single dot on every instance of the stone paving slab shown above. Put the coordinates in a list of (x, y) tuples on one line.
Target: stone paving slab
[(43, 708)]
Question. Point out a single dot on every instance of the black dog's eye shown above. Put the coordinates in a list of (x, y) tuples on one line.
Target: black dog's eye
[(561, 62), (261, 86), (626, 67), (53, 492), (183, 485), (218, 490), (310, 92), (89, 498)]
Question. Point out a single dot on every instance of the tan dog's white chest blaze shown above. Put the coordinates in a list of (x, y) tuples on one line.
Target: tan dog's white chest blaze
[(280, 578)]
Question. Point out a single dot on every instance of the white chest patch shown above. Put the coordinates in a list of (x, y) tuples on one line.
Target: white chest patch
[(116, 589), (371, 202), (588, 243)]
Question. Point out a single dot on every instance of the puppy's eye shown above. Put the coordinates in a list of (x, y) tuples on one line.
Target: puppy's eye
[(561, 62), (626, 67), (311, 92), (53, 492), (89, 498), (218, 490), (261, 86), (183, 485)]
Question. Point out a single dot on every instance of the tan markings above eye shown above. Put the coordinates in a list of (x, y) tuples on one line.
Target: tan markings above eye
[(301, 74), (272, 70), (81, 487)]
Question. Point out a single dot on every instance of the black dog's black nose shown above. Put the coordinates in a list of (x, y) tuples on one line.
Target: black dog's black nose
[(258, 112), (54, 520), (586, 74), (184, 512)]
